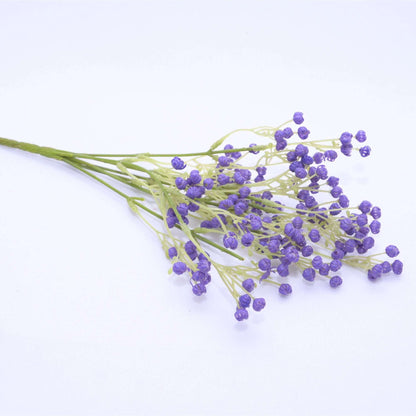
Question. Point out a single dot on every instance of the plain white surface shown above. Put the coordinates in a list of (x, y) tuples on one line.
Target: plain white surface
[(90, 322)]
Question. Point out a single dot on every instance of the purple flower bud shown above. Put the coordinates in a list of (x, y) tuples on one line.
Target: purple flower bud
[(193, 207), (377, 271), (336, 191), (346, 149), (283, 270), (255, 152), (397, 267), (298, 117), (244, 191), (301, 173), (178, 163), (335, 265), (223, 179), (375, 213), (365, 207), (361, 136), (386, 267), (330, 155), (291, 156), (324, 269), (365, 151), (314, 235), (307, 251), (343, 201), (317, 262), (195, 192), (281, 144), (362, 219), (208, 183), (307, 160), (322, 172), (172, 252), (375, 226), (247, 239), (332, 181), (241, 314), (194, 177), (244, 301), (392, 251), (278, 135), (368, 243), (297, 222), (346, 224), (182, 209), (345, 138), (301, 150), (224, 161), (265, 264), (249, 285), (285, 289), (335, 281), (199, 289), (259, 304), (287, 133), (318, 157), (181, 183), (303, 133), (337, 254), (309, 274), (230, 241), (179, 267)]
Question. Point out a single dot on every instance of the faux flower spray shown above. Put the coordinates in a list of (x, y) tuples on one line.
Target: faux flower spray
[(273, 208)]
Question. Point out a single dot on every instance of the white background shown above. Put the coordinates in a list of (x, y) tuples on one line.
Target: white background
[(90, 322)]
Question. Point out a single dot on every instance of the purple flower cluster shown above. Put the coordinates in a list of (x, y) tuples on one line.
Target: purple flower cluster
[(317, 235)]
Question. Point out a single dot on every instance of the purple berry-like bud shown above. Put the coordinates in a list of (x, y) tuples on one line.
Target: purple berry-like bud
[(247, 239), (208, 183), (377, 271), (345, 138), (249, 285), (337, 254), (195, 192), (336, 191), (303, 133), (392, 251), (230, 241), (368, 243), (330, 155), (285, 289), (397, 267), (281, 144), (361, 136), (244, 191), (181, 183), (287, 133), (317, 262), (365, 207), (182, 208), (333, 181), (314, 235), (255, 152), (194, 177), (324, 269), (298, 117), (199, 289), (343, 201), (259, 304), (335, 281), (318, 157), (297, 222), (365, 151), (178, 163), (375, 213), (172, 252), (322, 172), (265, 264), (244, 301), (179, 267), (223, 179), (301, 173), (346, 149), (335, 265), (307, 251), (309, 274), (278, 135), (241, 314), (375, 226), (386, 267)]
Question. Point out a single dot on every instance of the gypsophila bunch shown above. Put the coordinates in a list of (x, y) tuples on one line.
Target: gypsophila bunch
[(273, 206)]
